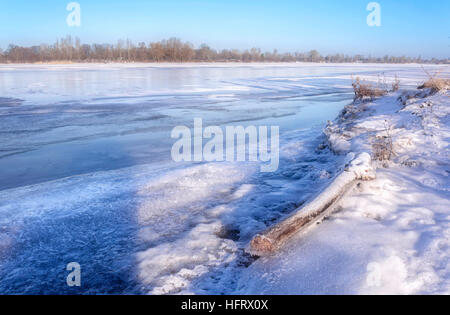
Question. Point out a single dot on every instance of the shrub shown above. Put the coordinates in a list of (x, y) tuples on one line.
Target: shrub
[(435, 83), (396, 84), (365, 90), (383, 146)]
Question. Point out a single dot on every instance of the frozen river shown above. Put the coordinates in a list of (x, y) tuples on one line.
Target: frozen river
[(86, 173)]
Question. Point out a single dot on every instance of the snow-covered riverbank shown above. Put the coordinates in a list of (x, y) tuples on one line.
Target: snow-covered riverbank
[(392, 235)]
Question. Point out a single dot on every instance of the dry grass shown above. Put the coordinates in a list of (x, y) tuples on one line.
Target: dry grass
[(364, 90), (395, 84), (382, 150), (383, 146), (434, 82)]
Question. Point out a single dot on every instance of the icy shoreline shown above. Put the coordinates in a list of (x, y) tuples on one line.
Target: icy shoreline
[(392, 235), (89, 181)]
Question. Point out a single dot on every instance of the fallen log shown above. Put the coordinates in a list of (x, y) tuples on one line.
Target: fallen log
[(275, 237)]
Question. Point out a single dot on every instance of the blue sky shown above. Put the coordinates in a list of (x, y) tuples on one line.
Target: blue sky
[(409, 27)]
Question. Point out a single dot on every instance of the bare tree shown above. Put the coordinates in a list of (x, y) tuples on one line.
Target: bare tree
[(174, 50)]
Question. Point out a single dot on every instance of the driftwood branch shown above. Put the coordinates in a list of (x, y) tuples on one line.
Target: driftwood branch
[(276, 236)]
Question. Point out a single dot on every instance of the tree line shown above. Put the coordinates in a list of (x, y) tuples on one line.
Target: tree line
[(69, 49)]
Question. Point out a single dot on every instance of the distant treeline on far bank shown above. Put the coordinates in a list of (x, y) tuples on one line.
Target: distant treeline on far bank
[(174, 50)]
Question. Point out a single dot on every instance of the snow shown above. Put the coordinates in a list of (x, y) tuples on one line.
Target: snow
[(392, 234), (170, 267), (87, 177)]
